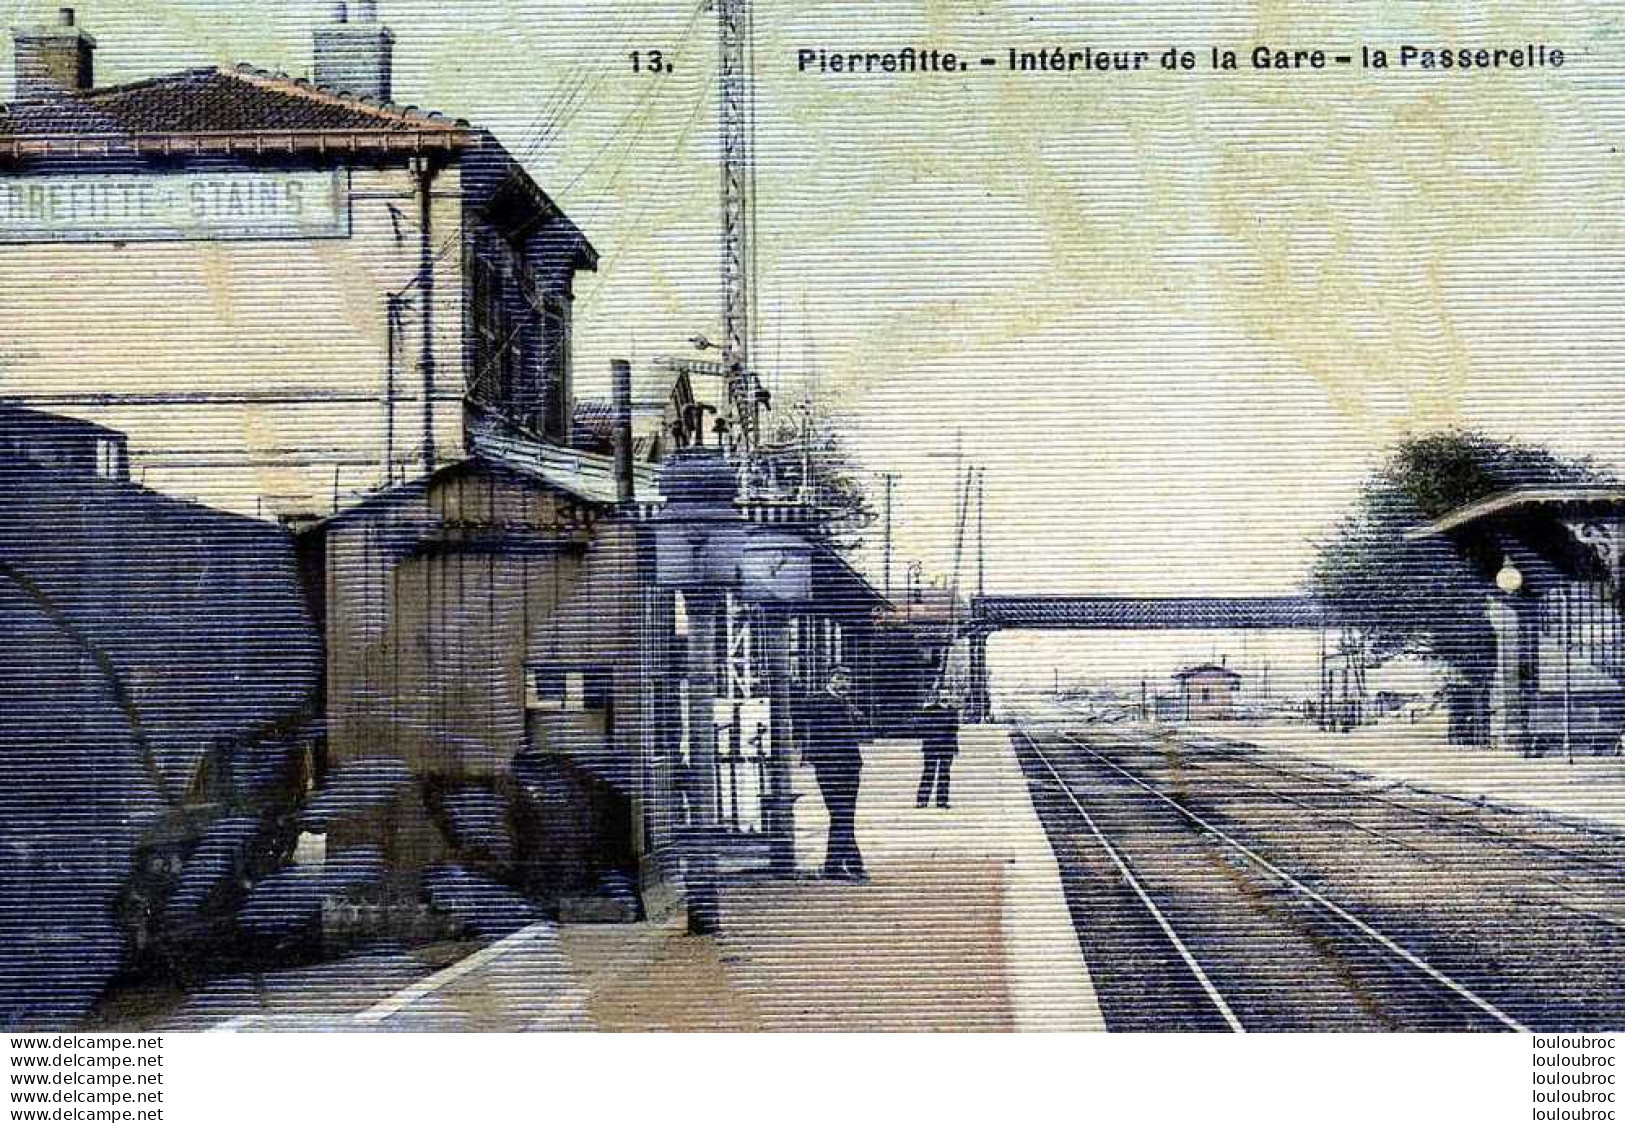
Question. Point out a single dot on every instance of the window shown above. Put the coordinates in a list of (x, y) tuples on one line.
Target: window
[(497, 346), (555, 372), (566, 689), (797, 650), (109, 459), (680, 615)]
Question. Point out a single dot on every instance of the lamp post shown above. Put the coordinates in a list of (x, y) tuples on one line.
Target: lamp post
[(1568, 676), (1509, 697)]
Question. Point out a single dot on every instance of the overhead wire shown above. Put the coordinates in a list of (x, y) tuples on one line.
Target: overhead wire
[(607, 269), (555, 122), (641, 112)]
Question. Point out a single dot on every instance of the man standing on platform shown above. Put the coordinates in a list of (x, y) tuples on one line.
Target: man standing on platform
[(834, 728), (938, 728)]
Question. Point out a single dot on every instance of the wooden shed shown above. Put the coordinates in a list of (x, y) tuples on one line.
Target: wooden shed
[(496, 655)]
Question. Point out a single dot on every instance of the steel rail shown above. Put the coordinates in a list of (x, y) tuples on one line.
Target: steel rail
[(1237, 752), (1427, 854), (1318, 898), (1247, 753), (1133, 883)]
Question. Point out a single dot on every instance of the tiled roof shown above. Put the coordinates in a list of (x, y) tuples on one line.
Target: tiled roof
[(239, 101)]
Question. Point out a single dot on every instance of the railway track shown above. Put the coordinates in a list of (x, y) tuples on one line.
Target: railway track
[(1342, 782), (1602, 888), (1307, 946), (1181, 948)]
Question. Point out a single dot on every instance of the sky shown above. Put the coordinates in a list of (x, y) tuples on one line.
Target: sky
[(1177, 317)]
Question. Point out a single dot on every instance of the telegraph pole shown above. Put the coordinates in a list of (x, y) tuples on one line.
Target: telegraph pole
[(739, 413), (981, 539), (891, 480), (1568, 678), (962, 491)]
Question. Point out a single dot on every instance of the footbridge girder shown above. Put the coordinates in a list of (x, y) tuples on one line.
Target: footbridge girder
[(989, 614), (1059, 613)]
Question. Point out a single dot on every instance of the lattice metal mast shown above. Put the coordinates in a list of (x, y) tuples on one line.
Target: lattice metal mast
[(738, 123)]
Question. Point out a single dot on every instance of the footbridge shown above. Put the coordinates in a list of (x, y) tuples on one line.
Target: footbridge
[(989, 614)]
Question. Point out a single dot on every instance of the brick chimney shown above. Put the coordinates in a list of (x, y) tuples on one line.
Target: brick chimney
[(354, 52), (55, 59), (621, 396)]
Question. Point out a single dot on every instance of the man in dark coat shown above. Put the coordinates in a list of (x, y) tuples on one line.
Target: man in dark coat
[(938, 729), (834, 727)]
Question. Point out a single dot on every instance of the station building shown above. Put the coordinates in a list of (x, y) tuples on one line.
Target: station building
[(303, 302), (287, 293)]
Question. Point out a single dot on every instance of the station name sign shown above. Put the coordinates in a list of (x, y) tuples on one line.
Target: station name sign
[(181, 206)]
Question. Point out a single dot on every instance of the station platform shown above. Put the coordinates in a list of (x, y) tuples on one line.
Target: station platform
[(962, 926)]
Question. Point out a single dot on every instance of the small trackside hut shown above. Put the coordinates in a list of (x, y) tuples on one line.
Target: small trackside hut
[(1207, 692), (496, 690)]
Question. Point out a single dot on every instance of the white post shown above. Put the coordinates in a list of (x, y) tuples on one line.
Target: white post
[(1568, 670)]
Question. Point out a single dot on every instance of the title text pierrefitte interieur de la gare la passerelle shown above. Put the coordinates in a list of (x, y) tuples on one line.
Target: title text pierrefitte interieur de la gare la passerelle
[(1088, 59)]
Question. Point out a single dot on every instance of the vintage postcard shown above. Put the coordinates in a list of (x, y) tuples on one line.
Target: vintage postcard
[(626, 515)]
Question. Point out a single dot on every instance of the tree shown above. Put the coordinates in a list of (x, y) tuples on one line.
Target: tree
[(1423, 597)]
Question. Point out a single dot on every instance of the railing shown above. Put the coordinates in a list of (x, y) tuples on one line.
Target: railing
[(1585, 619), (581, 473)]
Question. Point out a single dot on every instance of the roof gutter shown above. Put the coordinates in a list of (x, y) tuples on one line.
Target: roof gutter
[(201, 143)]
